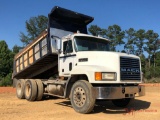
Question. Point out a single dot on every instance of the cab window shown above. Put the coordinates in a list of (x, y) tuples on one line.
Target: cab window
[(67, 47)]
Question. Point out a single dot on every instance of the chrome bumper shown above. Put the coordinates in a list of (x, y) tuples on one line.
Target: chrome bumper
[(119, 92)]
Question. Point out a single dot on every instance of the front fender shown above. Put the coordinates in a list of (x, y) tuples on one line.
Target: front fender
[(88, 70)]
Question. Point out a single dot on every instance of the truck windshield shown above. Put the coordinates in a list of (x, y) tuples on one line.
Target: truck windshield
[(90, 44)]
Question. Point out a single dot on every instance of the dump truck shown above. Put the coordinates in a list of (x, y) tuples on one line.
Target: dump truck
[(67, 62)]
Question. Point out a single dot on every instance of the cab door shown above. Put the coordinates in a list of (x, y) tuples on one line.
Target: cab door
[(66, 58)]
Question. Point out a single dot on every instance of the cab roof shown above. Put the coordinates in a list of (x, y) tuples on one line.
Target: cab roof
[(85, 35)]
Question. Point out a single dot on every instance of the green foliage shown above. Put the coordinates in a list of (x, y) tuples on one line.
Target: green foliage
[(151, 43), (139, 40), (116, 35), (6, 81), (16, 49), (157, 60), (153, 80), (130, 38), (34, 26), (6, 59), (94, 30), (143, 62)]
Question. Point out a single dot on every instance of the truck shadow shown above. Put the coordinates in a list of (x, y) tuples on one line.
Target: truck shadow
[(49, 97), (108, 108), (65, 103)]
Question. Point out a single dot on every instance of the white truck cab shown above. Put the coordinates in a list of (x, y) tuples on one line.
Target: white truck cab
[(81, 50), (89, 56)]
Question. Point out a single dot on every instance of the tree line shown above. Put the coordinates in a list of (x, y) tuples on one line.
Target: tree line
[(143, 43)]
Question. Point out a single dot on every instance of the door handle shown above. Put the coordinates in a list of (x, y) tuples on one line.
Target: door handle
[(70, 66)]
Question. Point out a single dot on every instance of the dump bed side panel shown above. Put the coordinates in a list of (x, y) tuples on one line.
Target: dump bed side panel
[(35, 59)]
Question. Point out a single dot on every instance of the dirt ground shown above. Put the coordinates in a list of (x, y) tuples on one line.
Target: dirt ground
[(52, 108)]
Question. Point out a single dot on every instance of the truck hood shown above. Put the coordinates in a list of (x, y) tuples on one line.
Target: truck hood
[(108, 61)]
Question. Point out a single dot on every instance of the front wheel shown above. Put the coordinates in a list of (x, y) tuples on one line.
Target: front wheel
[(121, 102), (82, 97)]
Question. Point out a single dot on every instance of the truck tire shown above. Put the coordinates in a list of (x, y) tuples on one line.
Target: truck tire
[(121, 102), (82, 97), (40, 90), (30, 90), (20, 89)]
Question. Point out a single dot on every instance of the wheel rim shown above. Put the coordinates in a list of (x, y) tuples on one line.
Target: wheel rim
[(28, 90), (79, 96), (19, 89)]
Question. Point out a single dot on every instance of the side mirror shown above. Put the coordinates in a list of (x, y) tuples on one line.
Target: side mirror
[(58, 45)]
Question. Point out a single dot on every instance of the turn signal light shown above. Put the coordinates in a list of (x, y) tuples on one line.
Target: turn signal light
[(98, 76)]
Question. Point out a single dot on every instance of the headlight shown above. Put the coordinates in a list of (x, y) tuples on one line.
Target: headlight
[(108, 76), (105, 76)]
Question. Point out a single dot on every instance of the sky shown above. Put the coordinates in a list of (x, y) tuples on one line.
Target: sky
[(138, 14)]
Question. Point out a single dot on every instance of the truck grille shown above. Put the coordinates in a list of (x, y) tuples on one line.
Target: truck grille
[(130, 68)]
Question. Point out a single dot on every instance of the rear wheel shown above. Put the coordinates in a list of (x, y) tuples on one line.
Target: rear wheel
[(121, 102), (20, 89), (40, 89), (30, 90), (82, 97)]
